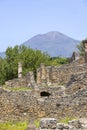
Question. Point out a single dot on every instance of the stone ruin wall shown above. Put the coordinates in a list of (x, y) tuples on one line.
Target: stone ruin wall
[(23, 81), (22, 105), (27, 105), (54, 75), (48, 76)]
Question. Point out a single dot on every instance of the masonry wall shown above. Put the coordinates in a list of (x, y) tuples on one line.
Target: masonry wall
[(58, 75), (26, 81), (27, 105), (50, 76)]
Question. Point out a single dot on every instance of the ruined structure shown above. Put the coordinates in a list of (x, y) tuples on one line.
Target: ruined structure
[(59, 92), (24, 81), (75, 56), (53, 75), (58, 75)]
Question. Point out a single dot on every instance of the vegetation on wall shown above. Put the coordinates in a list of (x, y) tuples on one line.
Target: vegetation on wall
[(80, 48), (31, 60)]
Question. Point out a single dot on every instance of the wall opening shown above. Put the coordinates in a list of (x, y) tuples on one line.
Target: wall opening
[(45, 94)]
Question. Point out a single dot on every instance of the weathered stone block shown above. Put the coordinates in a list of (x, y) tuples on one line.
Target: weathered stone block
[(48, 123)]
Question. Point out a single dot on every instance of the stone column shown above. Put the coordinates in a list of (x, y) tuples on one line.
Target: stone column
[(53, 75), (85, 49), (48, 76), (38, 76), (30, 79), (19, 70), (43, 73)]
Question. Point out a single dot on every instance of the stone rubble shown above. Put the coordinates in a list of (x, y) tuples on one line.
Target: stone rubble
[(51, 124)]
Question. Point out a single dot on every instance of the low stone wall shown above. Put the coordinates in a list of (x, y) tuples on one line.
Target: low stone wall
[(19, 82), (58, 75), (26, 81)]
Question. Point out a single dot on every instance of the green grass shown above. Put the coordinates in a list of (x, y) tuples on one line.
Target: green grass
[(16, 88), (13, 126), (66, 120), (19, 89)]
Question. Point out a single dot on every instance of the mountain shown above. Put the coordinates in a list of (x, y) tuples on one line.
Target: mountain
[(54, 43)]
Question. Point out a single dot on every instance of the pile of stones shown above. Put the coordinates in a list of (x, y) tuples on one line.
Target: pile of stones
[(51, 124)]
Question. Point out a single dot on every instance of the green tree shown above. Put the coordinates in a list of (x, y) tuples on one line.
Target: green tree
[(11, 59), (31, 60), (56, 61), (80, 48), (2, 71)]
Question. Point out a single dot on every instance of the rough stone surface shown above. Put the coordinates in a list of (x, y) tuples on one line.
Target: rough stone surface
[(76, 82), (51, 123), (24, 105), (48, 123)]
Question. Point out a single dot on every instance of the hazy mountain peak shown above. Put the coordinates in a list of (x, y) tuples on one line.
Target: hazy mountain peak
[(54, 43), (53, 33)]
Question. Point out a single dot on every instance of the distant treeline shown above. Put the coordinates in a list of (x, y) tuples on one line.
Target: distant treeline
[(31, 60)]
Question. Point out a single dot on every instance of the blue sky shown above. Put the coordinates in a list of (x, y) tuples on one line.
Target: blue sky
[(22, 19)]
